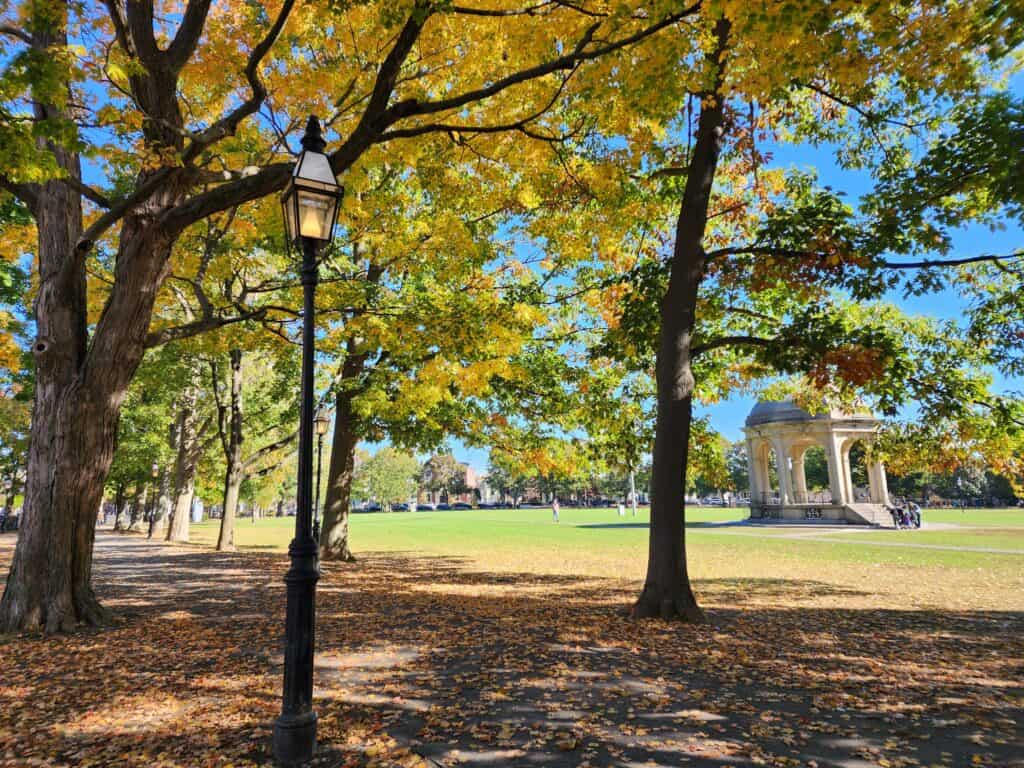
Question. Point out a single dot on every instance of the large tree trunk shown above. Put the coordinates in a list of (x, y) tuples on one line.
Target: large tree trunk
[(667, 592), (121, 516), (80, 386), (234, 473), (334, 543), (189, 451), (41, 588), (138, 514), (162, 508)]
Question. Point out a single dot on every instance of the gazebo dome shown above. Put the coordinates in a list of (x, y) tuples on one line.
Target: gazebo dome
[(775, 411), (787, 412)]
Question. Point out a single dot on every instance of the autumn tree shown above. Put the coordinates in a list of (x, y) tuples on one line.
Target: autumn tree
[(769, 273), (254, 394), (389, 476), (174, 104)]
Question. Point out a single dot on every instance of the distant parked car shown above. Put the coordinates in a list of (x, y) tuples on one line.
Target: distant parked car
[(401, 507), (442, 507), (461, 505)]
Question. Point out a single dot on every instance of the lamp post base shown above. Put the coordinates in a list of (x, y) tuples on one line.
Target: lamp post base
[(295, 738)]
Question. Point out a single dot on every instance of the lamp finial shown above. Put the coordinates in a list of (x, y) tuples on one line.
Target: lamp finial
[(313, 140)]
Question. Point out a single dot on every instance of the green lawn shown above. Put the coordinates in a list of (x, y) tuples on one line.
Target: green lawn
[(600, 544)]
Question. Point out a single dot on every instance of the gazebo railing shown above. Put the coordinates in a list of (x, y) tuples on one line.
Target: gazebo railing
[(813, 497), (773, 499)]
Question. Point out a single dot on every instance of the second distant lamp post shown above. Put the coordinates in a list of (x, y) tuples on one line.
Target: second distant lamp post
[(322, 422), (310, 205)]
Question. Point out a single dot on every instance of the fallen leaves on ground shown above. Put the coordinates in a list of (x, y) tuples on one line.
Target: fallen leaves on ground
[(422, 662)]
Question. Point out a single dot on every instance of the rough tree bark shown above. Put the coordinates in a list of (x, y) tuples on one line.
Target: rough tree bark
[(42, 589), (667, 592), (232, 438), (138, 513), (79, 387), (162, 508), (334, 544), (186, 462), (121, 519)]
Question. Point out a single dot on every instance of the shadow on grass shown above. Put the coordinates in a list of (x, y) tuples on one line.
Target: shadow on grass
[(508, 669)]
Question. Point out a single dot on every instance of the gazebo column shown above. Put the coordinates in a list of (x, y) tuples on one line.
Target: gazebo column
[(782, 458), (851, 496), (799, 475), (879, 484), (833, 454), (753, 473)]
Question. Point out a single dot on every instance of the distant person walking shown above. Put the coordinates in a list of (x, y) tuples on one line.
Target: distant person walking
[(555, 508), (622, 509)]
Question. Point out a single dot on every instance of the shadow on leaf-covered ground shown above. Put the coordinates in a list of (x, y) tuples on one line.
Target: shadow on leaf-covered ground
[(422, 656)]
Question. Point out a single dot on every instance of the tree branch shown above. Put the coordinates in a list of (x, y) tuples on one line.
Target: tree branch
[(730, 341), (119, 209), (413, 107), (927, 263), (871, 117), (187, 37), (227, 125), (258, 184), (175, 333), (530, 10), (20, 34), (270, 448)]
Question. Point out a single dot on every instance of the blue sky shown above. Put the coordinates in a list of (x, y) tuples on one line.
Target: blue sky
[(728, 416)]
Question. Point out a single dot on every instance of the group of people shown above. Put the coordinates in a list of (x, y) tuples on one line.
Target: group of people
[(906, 515)]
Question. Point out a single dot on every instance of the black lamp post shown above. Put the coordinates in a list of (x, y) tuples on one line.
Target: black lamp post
[(310, 204), (322, 422)]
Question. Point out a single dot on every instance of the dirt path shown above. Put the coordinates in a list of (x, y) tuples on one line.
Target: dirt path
[(418, 657)]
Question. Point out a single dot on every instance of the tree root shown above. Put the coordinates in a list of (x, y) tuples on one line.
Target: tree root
[(678, 605)]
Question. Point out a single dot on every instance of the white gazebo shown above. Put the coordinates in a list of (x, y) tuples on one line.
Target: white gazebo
[(780, 427)]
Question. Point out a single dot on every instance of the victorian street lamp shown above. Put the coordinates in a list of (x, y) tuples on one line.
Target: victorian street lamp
[(322, 422), (310, 205)]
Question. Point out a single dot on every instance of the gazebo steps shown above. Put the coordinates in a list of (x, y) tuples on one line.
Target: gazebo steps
[(872, 514)]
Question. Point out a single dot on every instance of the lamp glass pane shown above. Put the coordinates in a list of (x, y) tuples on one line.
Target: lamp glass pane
[(316, 168), (316, 214), (288, 205)]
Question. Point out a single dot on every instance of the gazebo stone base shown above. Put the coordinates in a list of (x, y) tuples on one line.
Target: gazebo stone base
[(853, 514)]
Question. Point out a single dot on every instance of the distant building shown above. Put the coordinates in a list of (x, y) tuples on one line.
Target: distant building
[(465, 488)]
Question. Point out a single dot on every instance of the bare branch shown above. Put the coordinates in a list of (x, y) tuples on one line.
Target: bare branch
[(928, 263), (868, 115), (580, 53), (267, 449), (227, 125), (731, 341), (86, 191), (530, 10), (175, 333), (20, 34), (119, 209), (189, 31)]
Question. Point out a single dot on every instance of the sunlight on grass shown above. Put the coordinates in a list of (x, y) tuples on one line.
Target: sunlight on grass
[(600, 544)]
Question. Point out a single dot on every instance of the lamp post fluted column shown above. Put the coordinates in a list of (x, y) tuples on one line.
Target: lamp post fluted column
[(295, 729)]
